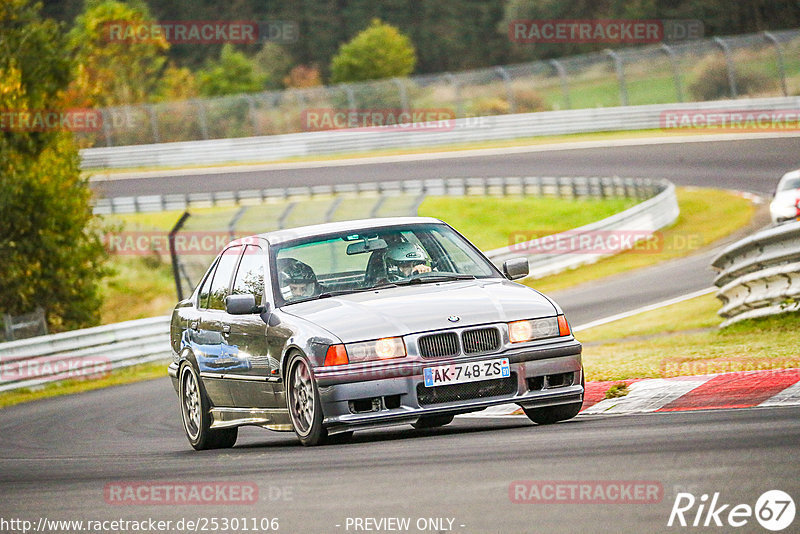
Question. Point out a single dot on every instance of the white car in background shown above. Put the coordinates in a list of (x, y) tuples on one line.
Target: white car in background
[(785, 205)]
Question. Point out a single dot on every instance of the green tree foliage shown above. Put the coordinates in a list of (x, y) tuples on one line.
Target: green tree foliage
[(378, 52), (51, 254), (448, 35), (110, 67), (233, 73), (274, 63)]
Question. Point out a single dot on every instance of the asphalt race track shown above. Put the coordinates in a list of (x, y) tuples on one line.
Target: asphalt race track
[(57, 457), (749, 165)]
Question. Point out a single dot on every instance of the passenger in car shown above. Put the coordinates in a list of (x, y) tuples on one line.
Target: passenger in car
[(299, 277)]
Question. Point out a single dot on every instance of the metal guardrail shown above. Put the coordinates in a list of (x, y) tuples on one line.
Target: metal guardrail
[(624, 230), (760, 275), (80, 353), (499, 127), (560, 187)]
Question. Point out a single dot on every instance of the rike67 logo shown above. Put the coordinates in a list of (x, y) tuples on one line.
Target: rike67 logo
[(774, 510)]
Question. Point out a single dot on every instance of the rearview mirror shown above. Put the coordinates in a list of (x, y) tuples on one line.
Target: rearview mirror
[(516, 268), (241, 304), (366, 246)]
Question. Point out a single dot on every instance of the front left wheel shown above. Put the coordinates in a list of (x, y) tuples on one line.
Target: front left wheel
[(196, 415)]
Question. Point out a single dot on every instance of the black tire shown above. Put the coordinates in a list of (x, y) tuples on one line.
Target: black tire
[(554, 414), (432, 421), (196, 414), (302, 400)]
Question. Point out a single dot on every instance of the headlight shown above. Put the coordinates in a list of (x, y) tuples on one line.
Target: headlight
[(380, 349), (528, 330)]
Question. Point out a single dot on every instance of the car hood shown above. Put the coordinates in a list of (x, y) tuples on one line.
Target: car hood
[(408, 309)]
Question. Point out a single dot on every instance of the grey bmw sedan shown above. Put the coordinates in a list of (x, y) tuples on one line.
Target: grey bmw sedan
[(328, 329)]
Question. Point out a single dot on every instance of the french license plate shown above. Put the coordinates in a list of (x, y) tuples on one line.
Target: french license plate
[(459, 373)]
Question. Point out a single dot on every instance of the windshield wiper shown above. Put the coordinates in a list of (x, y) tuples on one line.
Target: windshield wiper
[(437, 277), (328, 294)]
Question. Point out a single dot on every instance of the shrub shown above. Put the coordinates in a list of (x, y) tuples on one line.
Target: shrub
[(709, 79)]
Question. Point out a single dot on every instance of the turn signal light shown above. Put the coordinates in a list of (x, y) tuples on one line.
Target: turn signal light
[(336, 355), (563, 326)]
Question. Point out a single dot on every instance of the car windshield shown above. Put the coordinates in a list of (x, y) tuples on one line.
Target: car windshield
[(361, 260), (792, 183)]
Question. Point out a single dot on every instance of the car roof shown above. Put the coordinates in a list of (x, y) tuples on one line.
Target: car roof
[(290, 234)]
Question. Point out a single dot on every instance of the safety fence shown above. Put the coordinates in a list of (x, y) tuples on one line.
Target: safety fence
[(756, 65)]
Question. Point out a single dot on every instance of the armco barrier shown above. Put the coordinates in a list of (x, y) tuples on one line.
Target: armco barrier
[(640, 221), (274, 147), (38, 360), (760, 275), (543, 186)]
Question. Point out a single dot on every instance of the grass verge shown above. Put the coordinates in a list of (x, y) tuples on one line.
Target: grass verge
[(126, 375), (493, 222), (707, 215), (684, 339)]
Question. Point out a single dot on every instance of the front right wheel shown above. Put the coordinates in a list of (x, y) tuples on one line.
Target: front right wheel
[(554, 414), (302, 399), (432, 421)]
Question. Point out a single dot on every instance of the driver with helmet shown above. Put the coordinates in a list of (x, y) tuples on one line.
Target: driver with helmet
[(299, 277), (404, 260)]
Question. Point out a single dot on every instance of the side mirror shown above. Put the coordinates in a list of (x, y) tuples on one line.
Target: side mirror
[(241, 304), (516, 268)]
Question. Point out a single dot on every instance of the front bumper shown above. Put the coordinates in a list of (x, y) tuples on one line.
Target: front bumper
[(388, 393)]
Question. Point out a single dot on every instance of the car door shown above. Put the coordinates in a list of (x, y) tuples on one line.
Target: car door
[(214, 354), (252, 386)]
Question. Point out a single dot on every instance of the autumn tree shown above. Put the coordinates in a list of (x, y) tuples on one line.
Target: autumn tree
[(378, 52), (112, 65), (51, 254)]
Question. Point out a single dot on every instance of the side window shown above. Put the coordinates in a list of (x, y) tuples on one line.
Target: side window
[(222, 277), (250, 276), (203, 296)]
